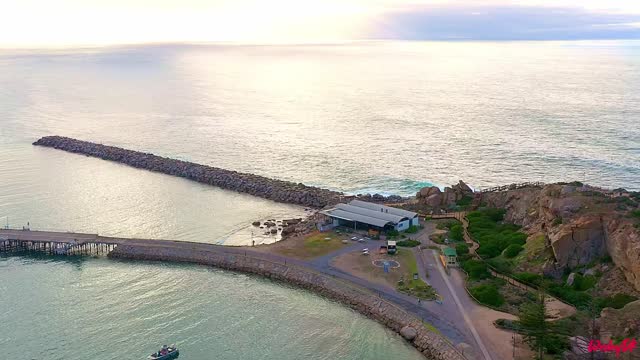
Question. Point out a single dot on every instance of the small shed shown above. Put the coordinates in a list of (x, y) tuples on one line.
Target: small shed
[(451, 256), (391, 247)]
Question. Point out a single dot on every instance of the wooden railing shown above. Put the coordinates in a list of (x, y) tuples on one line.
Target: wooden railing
[(473, 247), (523, 185)]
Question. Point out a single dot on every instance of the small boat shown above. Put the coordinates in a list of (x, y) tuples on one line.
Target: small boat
[(166, 353)]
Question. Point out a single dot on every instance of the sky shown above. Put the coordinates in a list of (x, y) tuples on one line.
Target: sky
[(59, 23)]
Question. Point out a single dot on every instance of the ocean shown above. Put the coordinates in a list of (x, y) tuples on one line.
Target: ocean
[(378, 117)]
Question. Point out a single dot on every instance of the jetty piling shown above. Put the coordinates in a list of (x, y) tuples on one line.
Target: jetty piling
[(68, 248)]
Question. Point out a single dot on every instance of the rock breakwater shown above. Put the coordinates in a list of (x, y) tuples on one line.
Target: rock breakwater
[(256, 185), (430, 344)]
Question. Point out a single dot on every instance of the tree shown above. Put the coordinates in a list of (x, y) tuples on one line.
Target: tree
[(532, 320), (537, 331)]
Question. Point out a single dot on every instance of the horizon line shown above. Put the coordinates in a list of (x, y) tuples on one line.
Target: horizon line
[(82, 46)]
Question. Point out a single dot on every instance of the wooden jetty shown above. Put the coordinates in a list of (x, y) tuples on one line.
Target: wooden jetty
[(70, 243), (55, 243)]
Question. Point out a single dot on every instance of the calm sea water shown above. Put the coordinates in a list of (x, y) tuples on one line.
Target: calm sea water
[(385, 117), (103, 310)]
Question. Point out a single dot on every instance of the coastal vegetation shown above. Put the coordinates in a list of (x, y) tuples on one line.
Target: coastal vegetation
[(494, 236), (537, 331), (408, 243), (453, 228), (487, 294), (407, 284)]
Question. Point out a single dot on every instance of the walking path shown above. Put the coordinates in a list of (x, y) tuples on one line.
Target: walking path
[(556, 308)]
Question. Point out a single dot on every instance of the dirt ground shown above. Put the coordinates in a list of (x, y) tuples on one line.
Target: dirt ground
[(501, 341), (307, 246), (556, 309), (361, 266)]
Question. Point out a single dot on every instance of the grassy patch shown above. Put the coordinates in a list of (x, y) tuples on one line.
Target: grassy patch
[(617, 301), (512, 250), (534, 251), (574, 297), (315, 245), (408, 285)]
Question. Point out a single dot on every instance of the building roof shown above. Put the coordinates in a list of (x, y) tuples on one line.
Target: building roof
[(346, 215), (368, 212), (450, 251), (386, 209)]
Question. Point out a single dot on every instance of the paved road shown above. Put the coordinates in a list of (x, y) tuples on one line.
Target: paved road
[(425, 310), (456, 303)]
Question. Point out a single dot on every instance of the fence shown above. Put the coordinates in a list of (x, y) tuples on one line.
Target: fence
[(513, 187), (474, 245)]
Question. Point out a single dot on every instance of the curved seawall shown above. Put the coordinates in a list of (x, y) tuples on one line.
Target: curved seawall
[(430, 344), (272, 189)]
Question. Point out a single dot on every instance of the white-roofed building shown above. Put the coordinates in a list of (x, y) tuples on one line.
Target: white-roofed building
[(363, 215)]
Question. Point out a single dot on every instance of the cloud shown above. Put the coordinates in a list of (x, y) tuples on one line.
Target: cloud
[(495, 22)]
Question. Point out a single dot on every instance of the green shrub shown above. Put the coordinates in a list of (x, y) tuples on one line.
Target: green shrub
[(487, 294), (462, 258), (465, 201), (437, 238), (556, 344), (408, 243), (392, 233), (529, 278), (445, 225), (617, 301), (489, 251), (513, 250), (501, 265), (493, 236), (456, 232), (577, 298), (557, 221), (476, 269), (582, 283), (462, 249), (412, 229), (635, 214)]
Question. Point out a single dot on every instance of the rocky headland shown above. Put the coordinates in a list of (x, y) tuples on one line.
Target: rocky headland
[(580, 223)]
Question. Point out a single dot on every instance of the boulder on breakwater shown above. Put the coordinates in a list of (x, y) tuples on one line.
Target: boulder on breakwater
[(431, 344), (256, 185)]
